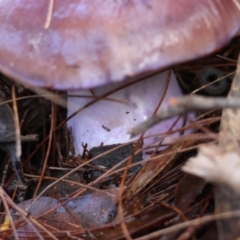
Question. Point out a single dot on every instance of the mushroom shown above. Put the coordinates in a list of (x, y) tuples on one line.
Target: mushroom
[(87, 44), (108, 122)]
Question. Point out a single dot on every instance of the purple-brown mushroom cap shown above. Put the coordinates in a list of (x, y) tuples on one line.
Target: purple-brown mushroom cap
[(92, 42)]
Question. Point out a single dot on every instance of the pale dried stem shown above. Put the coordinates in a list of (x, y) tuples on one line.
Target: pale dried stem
[(17, 125), (49, 14), (221, 165), (180, 106)]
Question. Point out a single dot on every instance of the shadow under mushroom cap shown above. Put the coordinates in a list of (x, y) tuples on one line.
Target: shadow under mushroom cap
[(90, 43)]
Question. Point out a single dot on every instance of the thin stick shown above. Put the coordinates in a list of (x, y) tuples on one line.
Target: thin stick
[(9, 215), (49, 14), (17, 126), (8, 138), (198, 221), (211, 163), (53, 121), (184, 105), (28, 218)]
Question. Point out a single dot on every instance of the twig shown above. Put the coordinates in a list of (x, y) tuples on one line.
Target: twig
[(53, 123), (49, 14), (195, 222), (17, 125), (8, 138), (184, 105), (222, 164), (5, 197)]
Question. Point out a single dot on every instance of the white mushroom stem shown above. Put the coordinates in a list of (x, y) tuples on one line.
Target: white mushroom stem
[(108, 122)]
